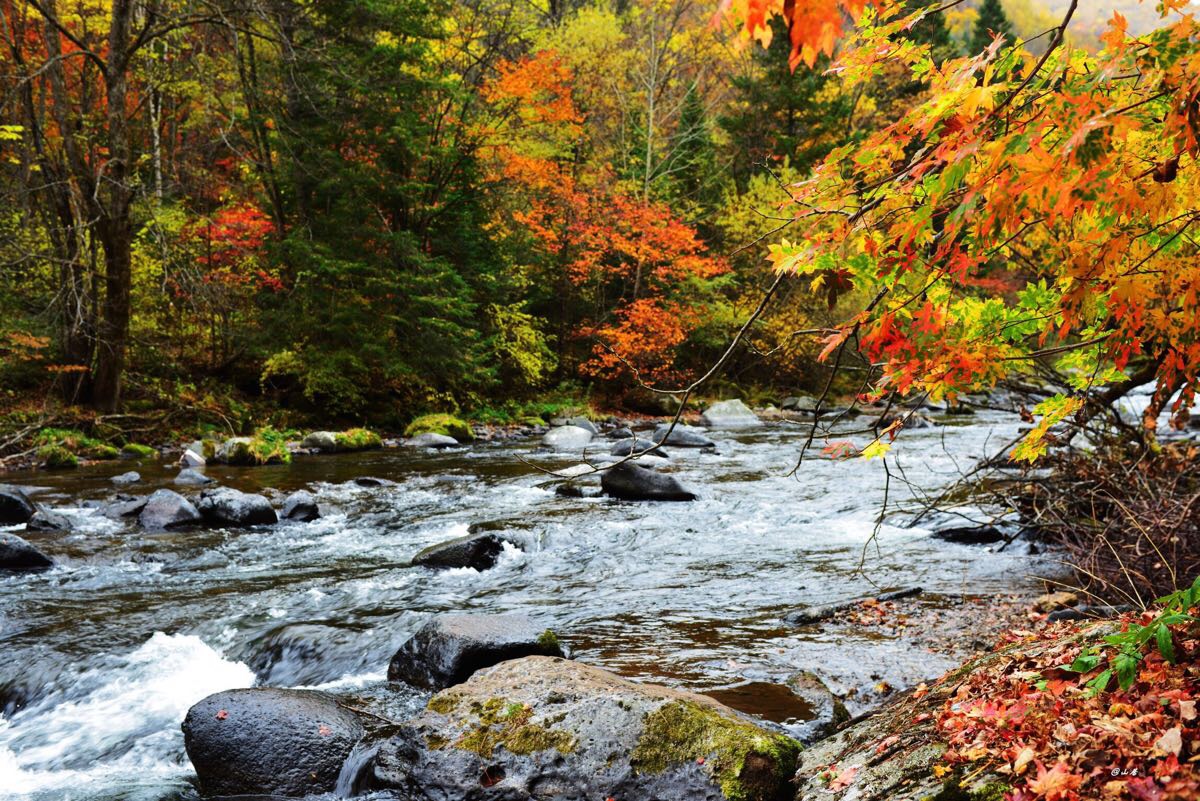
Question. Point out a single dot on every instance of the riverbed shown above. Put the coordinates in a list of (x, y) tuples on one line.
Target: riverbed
[(105, 653)]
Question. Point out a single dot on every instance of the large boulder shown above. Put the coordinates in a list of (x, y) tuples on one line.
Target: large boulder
[(449, 648), (301, 506), (624, 447), (167, 509), (15, 506), (46, 520), (432, 440), (681, 436), (567, 438), (550, 728), (229, 507), (632, 482), (479, 551), (125, 506), (325, 441), (584, 423), (17, 554), (269, 742), (729, 414)]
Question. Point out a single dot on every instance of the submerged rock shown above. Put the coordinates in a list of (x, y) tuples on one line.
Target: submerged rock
[(191, 477), (230, 507), (729, 414), (125, 479), (449, 648), (632, 482), (550, 728), (372, 481), (125, 506), (624, 447), (15, 506), (479, 551), (263, 741), (167, 509), (300, 506), (681, 436), (17, 554), (567, 438)]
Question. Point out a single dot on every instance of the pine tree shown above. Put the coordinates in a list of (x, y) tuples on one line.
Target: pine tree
[(697, 181), (991, 23), (932, 31)]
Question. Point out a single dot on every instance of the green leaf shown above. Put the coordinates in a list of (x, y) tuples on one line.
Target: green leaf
[(1085, 662), (1166, 647), (1126, 667), (1099, 684)]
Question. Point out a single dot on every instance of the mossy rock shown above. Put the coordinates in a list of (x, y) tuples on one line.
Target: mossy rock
[(137, 451), (559, 724), (56, 457), (445, 424), (357, 439), (253, 451), (77, 443)]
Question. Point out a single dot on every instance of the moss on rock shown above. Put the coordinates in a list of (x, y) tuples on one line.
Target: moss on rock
[(77, 443), (749, 765), (267, 446), (510, 724), (445, 424), (357, 439), (138, 451), (56, 457)]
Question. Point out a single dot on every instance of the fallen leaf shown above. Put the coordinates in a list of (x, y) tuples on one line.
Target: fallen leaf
[(1187, 710), (1171, 742), (1022, 761), (1056, 783), (222, 715), (843, 779), (324, 730)]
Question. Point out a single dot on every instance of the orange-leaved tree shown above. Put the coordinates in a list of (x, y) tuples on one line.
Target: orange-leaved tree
[(1069, 178)]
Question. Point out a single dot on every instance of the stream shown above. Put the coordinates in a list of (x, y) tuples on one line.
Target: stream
[(104, 654)]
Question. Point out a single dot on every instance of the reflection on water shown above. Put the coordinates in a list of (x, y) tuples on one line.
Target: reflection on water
[(107, 651)]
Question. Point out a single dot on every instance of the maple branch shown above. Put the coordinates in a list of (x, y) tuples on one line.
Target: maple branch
[(1059, 34)]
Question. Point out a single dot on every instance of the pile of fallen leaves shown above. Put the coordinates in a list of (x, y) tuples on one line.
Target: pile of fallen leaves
[(1033, 722)]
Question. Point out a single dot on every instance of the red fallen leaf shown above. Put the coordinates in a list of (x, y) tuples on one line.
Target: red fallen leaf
[(324, 730), (222, 715), (1056, 783), (1144, 789), (886, 743), (843, 779), (488, 780), (699, 760)]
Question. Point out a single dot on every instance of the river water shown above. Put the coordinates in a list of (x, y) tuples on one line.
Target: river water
[(107, 651)]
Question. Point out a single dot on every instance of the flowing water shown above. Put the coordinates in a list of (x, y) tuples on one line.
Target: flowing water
[(103, 655)]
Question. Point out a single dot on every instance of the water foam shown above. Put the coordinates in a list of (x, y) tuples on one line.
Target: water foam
[(124, 725)]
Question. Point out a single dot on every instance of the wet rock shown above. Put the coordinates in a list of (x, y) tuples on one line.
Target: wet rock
[(46, 520), (828, 712), (815, 614), (971, 535), (567, 438), (449, 648), (632, 482), (18, 555), (325, 441), (15, 506), (125, 506), (230, 507), (125, 479), (620, 433), (584, 423), (371, 481), (625, 447), (191, 477), (432, 440), (167, 509), (799, 403), (193, 456), (681, 437), (262, 741), (1054, 601), (729, 414), (305, 654), (573, 490), (301, 506), (479, 551), (550, 728)]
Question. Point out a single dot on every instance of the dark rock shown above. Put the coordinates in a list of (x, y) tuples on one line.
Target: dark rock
[(815, 614), (191, 477), (230, 507), (125, 506), (17, 554), (301, 506), (449, 648), (620, 433), (632, 482), (167, 509), (971, 535), (371, 481), (479, 551), (625, 447), (46, 520), (305, 654), (125, 479), (681, 436), (541, 728), (431, 440), (573, 490), (262, 741), (15, 506)]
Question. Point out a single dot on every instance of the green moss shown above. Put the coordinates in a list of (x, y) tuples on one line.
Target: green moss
[(357, 439), (267, 446), (748, 763), (56, 457), (77, 443), (445, 424), (548, 641), (953, 790), (509, 724), (443, 703), (435, 742), (138, 451), (102, 451)]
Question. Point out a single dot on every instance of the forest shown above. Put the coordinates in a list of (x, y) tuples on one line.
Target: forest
[(638, 400)]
